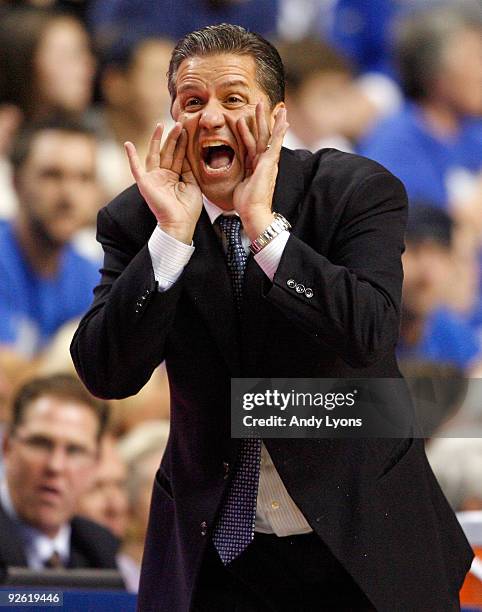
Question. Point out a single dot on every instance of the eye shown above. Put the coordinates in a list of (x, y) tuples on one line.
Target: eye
[(192, 102), (234, 99), (39, 443), (74, 450), (54, 174)]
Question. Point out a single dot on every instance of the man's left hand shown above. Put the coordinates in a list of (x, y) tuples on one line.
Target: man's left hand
[(253, 197)]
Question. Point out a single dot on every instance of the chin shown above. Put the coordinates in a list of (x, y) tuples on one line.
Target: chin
[(219, 195)]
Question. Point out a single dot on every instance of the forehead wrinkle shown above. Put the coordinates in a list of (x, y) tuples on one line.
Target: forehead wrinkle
[(234, 83), (231, 66), (231, 84)]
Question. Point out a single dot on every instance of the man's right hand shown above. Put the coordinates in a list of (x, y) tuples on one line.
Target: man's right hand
[(167, 183)]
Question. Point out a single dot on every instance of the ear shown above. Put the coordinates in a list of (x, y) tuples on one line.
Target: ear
[(273, 114)]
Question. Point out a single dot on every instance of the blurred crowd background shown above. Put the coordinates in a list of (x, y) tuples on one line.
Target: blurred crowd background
[(399, 81)]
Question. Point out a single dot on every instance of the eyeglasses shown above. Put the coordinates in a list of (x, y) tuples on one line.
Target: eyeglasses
[(42, 446)]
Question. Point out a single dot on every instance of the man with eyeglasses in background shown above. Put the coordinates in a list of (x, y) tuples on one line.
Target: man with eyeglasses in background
[(51, 448)]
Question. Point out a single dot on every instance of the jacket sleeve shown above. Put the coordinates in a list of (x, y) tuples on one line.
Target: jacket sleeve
[(353, 305), (122, 338)]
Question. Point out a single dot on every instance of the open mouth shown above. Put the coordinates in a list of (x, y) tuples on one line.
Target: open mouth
[(217, 157)]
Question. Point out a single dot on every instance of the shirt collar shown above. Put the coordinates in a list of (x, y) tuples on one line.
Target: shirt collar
[(43, 547), (37, 543), (214, 211)]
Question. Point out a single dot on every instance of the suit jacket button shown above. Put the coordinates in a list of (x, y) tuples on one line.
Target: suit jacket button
[(204, 528), (309, 292), (225, 469), (291, 283), (300, 288)]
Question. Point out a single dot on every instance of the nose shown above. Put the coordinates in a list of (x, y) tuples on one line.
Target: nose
[(212, 116), (69, 187), (57, 460)]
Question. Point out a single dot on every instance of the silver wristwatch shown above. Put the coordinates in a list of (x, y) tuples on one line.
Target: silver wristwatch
[(279, 224)]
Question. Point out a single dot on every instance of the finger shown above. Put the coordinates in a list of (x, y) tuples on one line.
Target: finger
[(167, 151), (134, 162), (179, 153), (279, 130), (263, 128), (187, 173), (248, 140), (153, 151)]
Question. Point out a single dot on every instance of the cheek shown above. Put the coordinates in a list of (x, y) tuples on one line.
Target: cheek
[(189, 121), (25, 475), (44, 199), (81, 481), (86, 197), (97, 501)]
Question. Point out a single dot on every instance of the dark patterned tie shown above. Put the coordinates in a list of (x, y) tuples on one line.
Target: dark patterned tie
[(54, 561), (234, 529)]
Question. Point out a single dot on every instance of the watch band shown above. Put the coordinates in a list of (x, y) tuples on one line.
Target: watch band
[(278, 225)]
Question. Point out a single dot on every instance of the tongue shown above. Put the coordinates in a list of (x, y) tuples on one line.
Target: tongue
[(219, 158)]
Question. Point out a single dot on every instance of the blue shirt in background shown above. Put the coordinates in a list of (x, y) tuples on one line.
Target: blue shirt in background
[(431, 169), (365, 30), (33, 308), (114, 19), (361, 30), (446, 339)]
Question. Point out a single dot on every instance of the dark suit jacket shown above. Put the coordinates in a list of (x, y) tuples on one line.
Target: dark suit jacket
[(376, 503), (91, 545)]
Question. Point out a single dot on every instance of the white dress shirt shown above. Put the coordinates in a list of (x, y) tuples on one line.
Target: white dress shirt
[(276, 512), (38, 547)]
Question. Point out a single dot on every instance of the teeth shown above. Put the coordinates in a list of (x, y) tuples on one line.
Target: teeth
[(214, 143)]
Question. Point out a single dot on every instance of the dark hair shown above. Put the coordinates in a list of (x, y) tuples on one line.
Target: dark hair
[(61, 386), (421, 40), (228, 38), (307, 57), (21, 31), (23, 140), (426, 222)]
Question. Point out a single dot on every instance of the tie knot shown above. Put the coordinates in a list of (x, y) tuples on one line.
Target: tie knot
[(54, 561), (231, 227)]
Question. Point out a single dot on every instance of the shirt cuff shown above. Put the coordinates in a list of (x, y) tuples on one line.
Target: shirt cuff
[(169, 257), (268, 258)]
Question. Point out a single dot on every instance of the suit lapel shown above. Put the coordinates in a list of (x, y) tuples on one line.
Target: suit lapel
[(289, 186), (256, 311), (208, 283)]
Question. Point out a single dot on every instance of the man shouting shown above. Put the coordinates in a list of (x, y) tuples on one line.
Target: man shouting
[(234, 257)]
